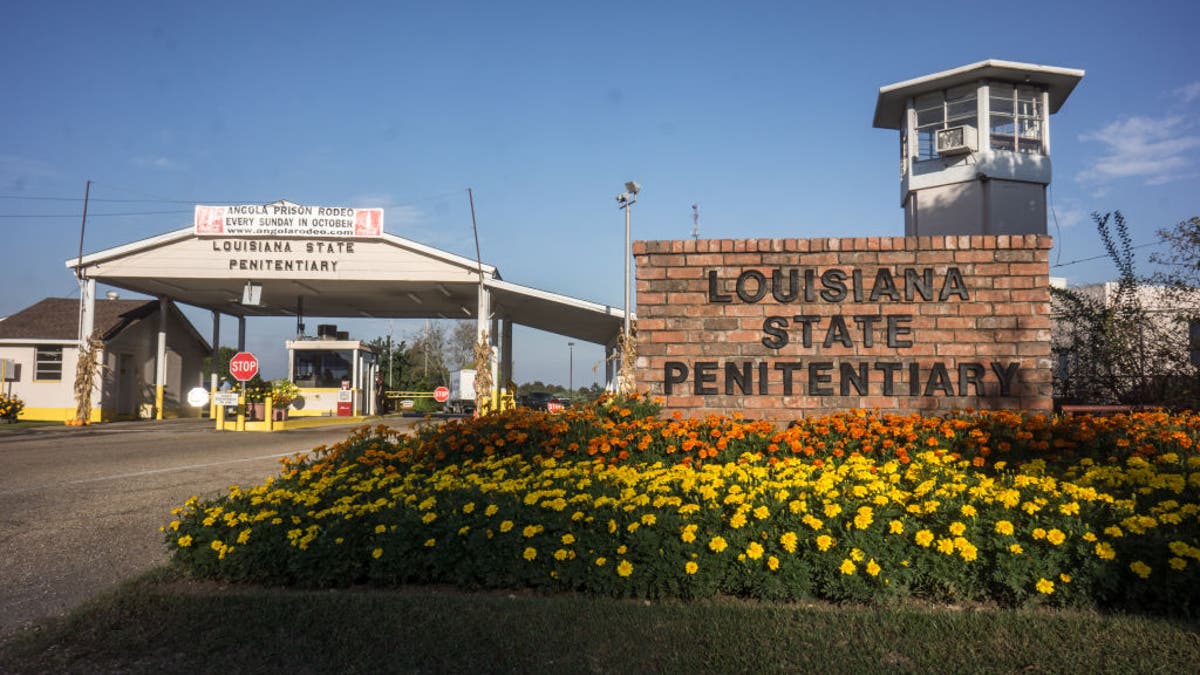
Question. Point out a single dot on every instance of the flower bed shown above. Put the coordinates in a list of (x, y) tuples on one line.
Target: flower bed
[(612, 499)]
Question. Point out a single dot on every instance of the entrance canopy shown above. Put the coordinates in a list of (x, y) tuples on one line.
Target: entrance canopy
[(381, 277)]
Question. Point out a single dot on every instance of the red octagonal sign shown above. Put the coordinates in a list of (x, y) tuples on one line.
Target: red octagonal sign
[(441, 394), (243, 366)]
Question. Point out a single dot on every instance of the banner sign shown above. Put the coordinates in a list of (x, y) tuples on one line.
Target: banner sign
[(284, 219)]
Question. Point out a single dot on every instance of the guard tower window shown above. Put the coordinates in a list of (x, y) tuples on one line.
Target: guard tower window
[(941, 110), (1016, 118), (48, 364)]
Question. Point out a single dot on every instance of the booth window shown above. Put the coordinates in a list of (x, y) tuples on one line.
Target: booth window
[(322, 368), (48, 365), (1016, 118)]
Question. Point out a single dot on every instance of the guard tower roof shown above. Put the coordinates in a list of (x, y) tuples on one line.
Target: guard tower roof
[(1059, 82)]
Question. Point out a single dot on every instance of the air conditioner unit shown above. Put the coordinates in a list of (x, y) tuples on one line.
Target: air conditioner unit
[(956, 140)]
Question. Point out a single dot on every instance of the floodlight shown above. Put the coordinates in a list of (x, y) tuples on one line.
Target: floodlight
[(632, 187)]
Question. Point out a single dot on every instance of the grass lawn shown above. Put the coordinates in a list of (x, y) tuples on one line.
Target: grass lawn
[(22, 425), (162, 622)]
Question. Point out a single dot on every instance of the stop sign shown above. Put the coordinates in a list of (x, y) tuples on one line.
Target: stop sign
[(441, 394), (243, 366)]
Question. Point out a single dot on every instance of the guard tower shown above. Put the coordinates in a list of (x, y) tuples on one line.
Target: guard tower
[(975, 146)]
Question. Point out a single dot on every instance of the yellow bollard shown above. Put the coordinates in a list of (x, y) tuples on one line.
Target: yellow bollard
[(268, 406), (220, 418), (241, 418)]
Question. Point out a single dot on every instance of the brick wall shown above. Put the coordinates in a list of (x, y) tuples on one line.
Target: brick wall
[(773, 328)]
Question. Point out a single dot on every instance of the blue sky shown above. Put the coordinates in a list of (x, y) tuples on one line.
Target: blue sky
[(760, 112)]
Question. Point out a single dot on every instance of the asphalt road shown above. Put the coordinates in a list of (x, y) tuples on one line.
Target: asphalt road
[(80, 508)]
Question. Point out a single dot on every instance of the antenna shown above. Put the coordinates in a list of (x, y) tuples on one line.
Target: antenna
[(695, 221)]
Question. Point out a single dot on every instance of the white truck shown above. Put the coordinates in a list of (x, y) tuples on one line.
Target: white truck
[(462, 391)]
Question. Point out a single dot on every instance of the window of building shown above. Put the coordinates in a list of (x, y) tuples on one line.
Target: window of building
[(48, 364), (941, 110), (1016, 118), (321, 367)]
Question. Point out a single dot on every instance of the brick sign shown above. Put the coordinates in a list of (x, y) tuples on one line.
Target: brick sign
[(774, 327)]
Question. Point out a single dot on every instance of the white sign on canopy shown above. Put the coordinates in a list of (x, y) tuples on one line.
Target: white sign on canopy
[(285, 219)]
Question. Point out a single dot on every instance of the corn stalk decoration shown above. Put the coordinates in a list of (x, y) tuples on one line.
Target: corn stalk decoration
[(483, 374), (627, 353), (85, 378)]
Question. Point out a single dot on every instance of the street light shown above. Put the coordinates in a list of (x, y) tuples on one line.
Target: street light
[(624, 201), (571, 369)]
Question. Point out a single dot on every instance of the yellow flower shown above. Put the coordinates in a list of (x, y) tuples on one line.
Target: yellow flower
[(561, 555), (1114, 531), (924, 538), (377, 553), (896, 527), (1004, 527), (506, 526), (864, 518), (1045, 586), (649, 519), (737, 520), (1056, 537), (832, 510), (469, 507), (1016, 549), (873, 568), (847, 567), (957, 528), (789, 541), (754, 551), (1177, 563), (691, 567), (621, 549), (531, 531), (717, 544), (945, 546), (762, 512), (1088, 536), (216, 545), (491, 510), (243, 536), (601, 561), (824, 542), (857, 555), (772, 563), (185, 541), (530, 553), (430, 543), (174, 525), (568, 539), (1065, 578), (633, 527), (427, 518), (1039, 533), (688, 535), (625, 568), (1140, 568)]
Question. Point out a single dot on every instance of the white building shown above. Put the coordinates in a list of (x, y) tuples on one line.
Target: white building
[(40, 347)]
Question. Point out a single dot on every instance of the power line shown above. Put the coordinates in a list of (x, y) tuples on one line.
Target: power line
[(92, 215), (1105, 255)]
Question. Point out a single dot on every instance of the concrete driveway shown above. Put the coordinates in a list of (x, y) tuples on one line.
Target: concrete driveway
[(80, 508)]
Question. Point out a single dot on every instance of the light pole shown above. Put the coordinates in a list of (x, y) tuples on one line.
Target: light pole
[(571, 369), (624, 201)]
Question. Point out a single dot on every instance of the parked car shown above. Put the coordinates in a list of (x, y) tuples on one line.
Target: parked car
[(540, 400)]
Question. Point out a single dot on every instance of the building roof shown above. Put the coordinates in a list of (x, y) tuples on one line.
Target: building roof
[(1059, 83), (58, 319)]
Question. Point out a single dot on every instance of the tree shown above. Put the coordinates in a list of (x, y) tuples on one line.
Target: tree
[(460, 348), (1181, 258), (1117, 343), (224, 354)]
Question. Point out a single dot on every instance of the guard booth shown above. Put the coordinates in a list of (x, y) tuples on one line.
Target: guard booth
[(334, 374)]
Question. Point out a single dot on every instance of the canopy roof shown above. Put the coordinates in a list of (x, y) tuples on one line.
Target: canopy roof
[(381, 277), (1059, 83)]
